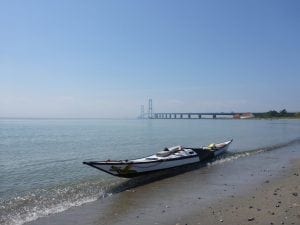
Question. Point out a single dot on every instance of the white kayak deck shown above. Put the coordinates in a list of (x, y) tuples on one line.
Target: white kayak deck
[(171, 153), (175, 152)]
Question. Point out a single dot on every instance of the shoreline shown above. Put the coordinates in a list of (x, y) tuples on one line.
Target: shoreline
[(234, 192)]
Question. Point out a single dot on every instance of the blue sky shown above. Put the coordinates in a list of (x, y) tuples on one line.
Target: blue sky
[(106, 58)]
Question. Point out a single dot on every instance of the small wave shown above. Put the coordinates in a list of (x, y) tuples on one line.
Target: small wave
[(227, 158), (43, 202), (235, 155), (27, 214)]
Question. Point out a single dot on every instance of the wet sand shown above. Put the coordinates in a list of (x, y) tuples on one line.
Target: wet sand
[(260, 189)]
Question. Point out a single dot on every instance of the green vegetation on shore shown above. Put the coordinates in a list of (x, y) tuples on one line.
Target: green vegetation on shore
[(274, 114)]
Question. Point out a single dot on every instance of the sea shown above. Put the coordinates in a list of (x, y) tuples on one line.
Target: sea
[(41, 170)]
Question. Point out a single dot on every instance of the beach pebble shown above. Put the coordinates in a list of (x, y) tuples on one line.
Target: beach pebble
[(250, 218), (277, 206), (221, 220)]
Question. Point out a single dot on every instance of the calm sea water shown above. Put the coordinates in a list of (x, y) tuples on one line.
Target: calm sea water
[(41, 159)]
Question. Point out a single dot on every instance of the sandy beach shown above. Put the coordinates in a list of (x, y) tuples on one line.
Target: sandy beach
[(275, 201), (263, 190)]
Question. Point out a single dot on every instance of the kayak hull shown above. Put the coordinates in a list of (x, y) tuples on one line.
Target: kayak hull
[(138, 167), (129, 170)]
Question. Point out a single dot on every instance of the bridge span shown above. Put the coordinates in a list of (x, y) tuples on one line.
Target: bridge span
[(189, 115)]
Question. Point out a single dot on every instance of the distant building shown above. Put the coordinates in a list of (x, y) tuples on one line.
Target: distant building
[(237, 116), (244, 116)]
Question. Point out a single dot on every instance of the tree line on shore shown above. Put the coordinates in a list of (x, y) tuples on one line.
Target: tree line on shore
[(277, 114)]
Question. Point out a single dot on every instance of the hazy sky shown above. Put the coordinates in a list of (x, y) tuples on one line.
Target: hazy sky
[(106, 58)]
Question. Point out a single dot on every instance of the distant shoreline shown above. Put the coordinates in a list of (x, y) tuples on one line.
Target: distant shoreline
[(59, 118), (273, 114)]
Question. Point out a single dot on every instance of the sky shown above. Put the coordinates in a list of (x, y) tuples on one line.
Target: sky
[(103, 59)]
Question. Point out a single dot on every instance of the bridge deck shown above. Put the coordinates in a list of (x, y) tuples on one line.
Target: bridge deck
[(191, 115)]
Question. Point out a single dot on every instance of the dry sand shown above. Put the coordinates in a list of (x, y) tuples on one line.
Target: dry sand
[(275, 201)]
